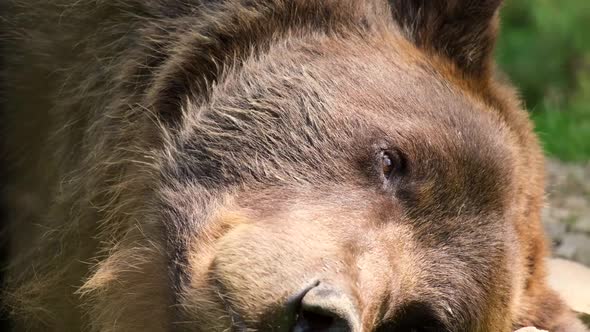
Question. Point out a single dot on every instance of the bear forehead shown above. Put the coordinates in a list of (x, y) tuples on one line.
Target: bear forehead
[(319, 120), (334, 93)]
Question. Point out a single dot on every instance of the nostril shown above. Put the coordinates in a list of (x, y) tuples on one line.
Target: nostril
[(415, 316), (325, 308), (314, 321)]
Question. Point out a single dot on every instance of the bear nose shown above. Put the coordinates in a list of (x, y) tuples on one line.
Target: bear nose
[(326, 308)]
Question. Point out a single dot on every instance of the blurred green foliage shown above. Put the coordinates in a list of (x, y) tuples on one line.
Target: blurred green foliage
[(545, 49)]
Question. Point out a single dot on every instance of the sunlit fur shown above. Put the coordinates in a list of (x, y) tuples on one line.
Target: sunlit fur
[(190, 164)]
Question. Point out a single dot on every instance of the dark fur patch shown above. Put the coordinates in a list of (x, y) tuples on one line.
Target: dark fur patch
[(461, 30)]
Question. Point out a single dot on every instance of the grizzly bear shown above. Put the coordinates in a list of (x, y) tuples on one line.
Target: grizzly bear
[(268, 165)]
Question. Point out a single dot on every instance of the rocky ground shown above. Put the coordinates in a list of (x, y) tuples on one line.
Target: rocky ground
[(567, 215)]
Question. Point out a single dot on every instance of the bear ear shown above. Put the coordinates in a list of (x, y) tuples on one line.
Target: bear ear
[(462, 30)]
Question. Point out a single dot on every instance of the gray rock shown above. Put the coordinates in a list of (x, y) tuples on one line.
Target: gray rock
[(567, 248), (582, 224), (575, 203), (561, 214), (556, 231), (575, 246), (567, 215)]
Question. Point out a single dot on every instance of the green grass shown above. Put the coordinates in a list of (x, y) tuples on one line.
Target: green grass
[(544, 47), (564, 135)]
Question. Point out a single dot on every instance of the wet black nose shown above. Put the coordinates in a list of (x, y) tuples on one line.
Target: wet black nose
[(327, 308)]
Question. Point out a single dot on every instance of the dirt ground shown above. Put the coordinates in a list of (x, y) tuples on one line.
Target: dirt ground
[(567, 213)]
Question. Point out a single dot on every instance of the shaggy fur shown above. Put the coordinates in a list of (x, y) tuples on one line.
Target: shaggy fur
[(190, 165)]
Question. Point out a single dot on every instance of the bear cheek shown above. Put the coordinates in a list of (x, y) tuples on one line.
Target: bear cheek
[(261, 266)]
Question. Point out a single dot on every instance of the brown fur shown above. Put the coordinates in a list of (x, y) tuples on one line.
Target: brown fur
[(190, 165)]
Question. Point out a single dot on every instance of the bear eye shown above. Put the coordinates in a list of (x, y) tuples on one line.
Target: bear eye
[(389, 164), (386, 164)]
